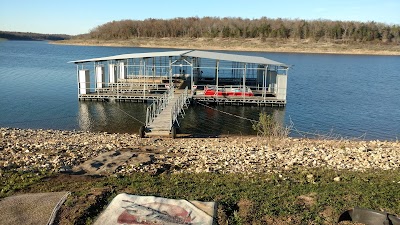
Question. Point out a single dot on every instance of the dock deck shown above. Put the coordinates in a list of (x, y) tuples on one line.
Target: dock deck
[(234, 100), (134, 97), (225, 100)]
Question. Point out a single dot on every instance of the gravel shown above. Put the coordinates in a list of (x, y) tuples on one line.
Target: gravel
[(55, 150)]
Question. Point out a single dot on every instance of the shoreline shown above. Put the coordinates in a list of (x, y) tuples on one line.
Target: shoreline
[(58, 150), (252, 45), (234, 172)]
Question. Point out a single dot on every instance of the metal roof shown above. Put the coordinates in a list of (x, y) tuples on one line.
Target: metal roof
[(190, 53), (134, 56), (234, 58)]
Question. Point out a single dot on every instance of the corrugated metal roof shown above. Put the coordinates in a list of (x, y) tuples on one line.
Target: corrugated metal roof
[(190, 53), (234, 58), (134, 56)]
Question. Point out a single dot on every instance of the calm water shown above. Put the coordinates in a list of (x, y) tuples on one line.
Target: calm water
[(347, 95)]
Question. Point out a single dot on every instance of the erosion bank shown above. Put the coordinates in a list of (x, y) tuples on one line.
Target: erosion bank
[(269, 45)]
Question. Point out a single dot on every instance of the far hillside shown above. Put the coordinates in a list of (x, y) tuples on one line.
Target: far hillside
[(32, 36), (239, 28)]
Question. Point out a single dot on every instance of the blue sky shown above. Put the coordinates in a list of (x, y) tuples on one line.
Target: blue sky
[(80, 16)]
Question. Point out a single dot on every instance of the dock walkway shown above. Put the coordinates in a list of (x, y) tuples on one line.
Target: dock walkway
[(163, 114)]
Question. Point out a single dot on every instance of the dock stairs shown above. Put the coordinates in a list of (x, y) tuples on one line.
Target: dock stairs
[(162, 114)]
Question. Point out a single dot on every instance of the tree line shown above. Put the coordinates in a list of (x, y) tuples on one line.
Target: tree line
[(32, 36), (263, 28)]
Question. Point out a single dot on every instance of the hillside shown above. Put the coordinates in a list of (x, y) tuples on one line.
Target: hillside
[(32, 36), (263, 28), (264, 34)]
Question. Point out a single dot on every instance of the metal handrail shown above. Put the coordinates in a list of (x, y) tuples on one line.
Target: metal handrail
[(161, 103), (158, 106), (177, 108)]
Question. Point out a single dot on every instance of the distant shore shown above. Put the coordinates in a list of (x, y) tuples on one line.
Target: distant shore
[(229, 44)]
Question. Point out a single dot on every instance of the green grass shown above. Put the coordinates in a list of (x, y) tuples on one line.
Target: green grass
[(11, 182), (242, 199)]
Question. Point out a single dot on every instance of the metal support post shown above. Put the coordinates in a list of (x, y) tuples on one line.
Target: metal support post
[(244, 79), (217, 73)]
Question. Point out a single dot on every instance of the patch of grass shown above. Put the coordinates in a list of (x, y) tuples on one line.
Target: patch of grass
[(12, 181), (269, 126), (293, 196)]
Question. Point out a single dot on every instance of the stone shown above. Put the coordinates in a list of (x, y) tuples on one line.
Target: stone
[(225, 155), (65, 169)]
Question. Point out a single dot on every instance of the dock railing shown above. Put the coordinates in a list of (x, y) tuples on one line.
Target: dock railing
[(158, 106), (177, 108)]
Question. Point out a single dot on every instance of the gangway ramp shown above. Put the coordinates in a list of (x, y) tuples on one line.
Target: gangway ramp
[(162, 114)]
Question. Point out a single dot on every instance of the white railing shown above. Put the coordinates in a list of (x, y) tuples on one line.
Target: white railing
[(158, 106), (177, 108), (118, 88), (171, 92)]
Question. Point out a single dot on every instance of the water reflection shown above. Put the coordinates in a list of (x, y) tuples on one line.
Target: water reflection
[(111, 117), (124, 117), (224, 120), (84, 117)]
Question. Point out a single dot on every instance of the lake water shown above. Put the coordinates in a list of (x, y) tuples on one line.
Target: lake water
[(340, 95)]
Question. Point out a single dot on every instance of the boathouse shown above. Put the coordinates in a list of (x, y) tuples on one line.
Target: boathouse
[(171, 79), (211, 77)]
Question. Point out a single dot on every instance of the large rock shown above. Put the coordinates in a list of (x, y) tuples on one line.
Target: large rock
[(109, 162)]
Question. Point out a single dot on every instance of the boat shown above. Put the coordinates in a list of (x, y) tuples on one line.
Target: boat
[(227, 91)]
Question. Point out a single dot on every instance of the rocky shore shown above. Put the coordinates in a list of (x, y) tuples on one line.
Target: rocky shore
[(53, 150)]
